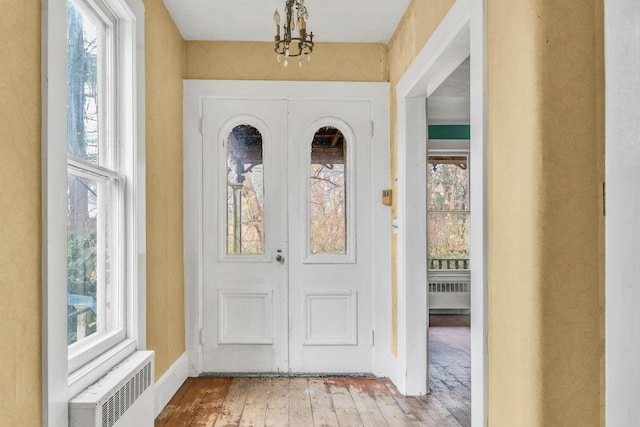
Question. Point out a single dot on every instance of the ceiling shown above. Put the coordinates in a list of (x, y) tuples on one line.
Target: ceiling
[(457, 84), (252, 20)]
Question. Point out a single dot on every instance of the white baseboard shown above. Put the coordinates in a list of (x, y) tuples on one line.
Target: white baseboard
[(169, 383)]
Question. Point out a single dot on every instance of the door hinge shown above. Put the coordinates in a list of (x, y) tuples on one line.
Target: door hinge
[(201, 336), (373, 338), (372, 128)]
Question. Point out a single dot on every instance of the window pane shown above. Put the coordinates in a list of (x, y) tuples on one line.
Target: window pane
[(245, 191), (448, 183), (84, 61), (88, 261), (328, 193), (448, 235)]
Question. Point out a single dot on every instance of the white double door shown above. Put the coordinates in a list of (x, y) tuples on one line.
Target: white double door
[(285, 303)]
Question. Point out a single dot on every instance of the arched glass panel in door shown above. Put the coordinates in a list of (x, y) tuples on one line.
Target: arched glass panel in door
[(245, 191), (328, 193)]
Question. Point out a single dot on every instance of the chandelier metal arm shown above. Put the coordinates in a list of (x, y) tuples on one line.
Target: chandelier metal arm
[(289, 45)]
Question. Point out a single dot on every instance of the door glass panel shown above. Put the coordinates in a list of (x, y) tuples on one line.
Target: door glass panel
[(328, 193), (245, 191)]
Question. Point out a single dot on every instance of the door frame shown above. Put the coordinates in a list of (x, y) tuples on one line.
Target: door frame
[(461, 33), (622, 239), (195, 92)]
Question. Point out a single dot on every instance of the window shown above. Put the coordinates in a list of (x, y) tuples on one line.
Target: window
[(93, 187), (245, 191), (328, 193), (448, 212)]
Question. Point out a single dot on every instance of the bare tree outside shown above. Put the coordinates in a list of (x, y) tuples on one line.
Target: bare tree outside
[(82, 204), (448, 211), (328, 193), (245, 191), (245, 223)]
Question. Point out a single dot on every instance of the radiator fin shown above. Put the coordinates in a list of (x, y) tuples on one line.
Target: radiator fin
[(114, 407), (449, 287)]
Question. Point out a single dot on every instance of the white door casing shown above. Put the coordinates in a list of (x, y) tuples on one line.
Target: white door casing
[(201, 336), (197, 309)]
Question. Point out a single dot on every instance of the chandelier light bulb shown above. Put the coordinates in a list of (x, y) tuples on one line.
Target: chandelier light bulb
[(276, 18), (300, 62), (279, 58), (286, 62)]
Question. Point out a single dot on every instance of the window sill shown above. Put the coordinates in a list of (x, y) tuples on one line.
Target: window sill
[(95, 369)]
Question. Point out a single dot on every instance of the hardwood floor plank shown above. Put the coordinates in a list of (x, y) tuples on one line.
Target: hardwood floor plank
[(367, 409), (255, 407), (209, 409), (345, 409), (188, 405), (277, 413), (442, 380), (299, 403), (392, 413), (412, 409), (233, 405), (322, 409), (453, 404), (169, 409), (347, 402), (435, 410)]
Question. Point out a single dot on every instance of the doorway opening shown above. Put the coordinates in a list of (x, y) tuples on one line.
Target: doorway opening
[(460, 35), (448, 243)]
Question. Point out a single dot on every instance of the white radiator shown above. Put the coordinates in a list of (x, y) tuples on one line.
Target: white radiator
[(450, 295), (122, 398)]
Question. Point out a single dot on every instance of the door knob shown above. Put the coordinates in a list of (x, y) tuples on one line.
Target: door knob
[(280, 259)]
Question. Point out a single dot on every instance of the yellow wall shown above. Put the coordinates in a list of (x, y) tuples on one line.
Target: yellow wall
[(418, 23), (546, 251), (545, 153), (257, 61), (545, 216), (165, 58), (20, 205)]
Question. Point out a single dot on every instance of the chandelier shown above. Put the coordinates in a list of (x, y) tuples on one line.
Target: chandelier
[(290, 46)]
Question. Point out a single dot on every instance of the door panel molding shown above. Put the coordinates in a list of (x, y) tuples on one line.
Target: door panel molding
[(222, 140), (340, 327), (351, 256), (255, 304)]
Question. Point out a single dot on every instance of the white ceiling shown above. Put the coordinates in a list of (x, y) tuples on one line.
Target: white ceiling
[(457, 84), (252, 20)]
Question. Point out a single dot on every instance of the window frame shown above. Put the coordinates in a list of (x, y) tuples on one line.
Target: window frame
[(106, 170), (59, 383), (447, 152)]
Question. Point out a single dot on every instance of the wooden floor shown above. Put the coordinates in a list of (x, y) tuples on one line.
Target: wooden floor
[(301, 402)]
